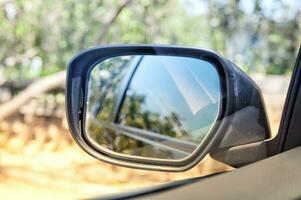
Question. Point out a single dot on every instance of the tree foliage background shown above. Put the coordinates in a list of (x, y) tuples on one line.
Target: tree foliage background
[(39, 37)]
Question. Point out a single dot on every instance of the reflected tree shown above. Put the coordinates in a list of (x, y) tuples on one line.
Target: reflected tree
[(133, 115), (104, 83)]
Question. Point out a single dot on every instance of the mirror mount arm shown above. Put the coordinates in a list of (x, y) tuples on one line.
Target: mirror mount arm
[(242, 155)]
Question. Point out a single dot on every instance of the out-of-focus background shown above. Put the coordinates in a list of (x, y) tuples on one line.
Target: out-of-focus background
[(38, 158)]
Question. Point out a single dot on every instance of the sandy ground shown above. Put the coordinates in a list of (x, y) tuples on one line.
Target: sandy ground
[(71, 174), (49, 175)]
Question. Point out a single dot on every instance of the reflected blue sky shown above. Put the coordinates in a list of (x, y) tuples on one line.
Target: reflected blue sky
[(187, 86)]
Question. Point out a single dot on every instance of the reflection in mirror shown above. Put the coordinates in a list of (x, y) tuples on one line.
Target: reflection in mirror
[(152, 106)]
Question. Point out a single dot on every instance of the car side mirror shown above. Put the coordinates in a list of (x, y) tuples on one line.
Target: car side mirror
[(161, 107)]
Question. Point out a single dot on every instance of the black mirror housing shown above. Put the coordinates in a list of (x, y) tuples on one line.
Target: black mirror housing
[(242, 119)]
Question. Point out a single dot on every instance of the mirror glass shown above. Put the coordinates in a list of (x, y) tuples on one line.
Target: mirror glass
[(151, 106)]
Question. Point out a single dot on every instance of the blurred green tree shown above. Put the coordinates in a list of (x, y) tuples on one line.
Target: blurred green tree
[(38, 37)]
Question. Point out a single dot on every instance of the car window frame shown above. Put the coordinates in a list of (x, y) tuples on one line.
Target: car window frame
[(288, 136)]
